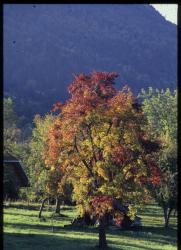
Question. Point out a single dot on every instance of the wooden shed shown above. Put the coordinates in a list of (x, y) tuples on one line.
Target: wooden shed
[(14, 176)]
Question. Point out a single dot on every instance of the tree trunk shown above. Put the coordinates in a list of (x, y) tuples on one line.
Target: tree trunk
[(57, 206), (174, 212), (49, 204), (167, 213), (42, 206), (28, 203), (102, 233)]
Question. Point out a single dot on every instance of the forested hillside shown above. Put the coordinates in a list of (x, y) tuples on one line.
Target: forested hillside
[(44, 45)]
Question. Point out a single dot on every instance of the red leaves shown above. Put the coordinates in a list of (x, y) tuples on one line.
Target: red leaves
[(119, 154), (99, 83), (118, 218), (116, 121), (155, 173), (88, 93), (104, 77), (99, 155), (155, 177), (97, 200), (98, 123), (57, 106), (102, 204)]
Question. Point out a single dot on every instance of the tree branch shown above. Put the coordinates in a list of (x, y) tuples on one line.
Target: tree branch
[(92, 144), (81, 158), (110, 125)]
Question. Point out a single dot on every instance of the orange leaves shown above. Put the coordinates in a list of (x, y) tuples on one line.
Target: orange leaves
[(102, 204), (155, 173), (96, 140), (122, 101), (118, 217), (53, 147), (155, 180), (104, 77), (116, 121), (94, 88), (57, 106), (119, 154)]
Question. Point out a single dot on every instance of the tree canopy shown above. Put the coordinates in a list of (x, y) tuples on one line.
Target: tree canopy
[(160, 108), (11, 132), (98, 142)]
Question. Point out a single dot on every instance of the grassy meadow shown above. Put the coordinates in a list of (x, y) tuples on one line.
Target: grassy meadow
[(24, 231)]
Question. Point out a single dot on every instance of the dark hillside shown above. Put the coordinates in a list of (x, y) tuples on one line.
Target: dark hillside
[(45, 44)]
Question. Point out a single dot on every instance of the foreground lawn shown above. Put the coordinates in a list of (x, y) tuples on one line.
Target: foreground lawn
[(24, 231)]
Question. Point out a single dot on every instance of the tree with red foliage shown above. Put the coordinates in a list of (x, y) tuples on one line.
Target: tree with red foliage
[(96, 141)]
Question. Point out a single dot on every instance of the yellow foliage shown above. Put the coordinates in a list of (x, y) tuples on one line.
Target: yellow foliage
[(132, 211), (52, 168), (103, 173), (80, 209)]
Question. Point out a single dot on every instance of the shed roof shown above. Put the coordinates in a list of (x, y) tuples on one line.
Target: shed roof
[(9, 160)]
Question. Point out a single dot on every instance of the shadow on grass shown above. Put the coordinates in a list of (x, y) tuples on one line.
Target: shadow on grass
[(45, 242), (35, 207), (43, 219), (153, 234), (150, 234), (17, 241), (151, 214), (37, 226), (68, 208), (23, 206), (22, 214), (128, 246), (160, 230)]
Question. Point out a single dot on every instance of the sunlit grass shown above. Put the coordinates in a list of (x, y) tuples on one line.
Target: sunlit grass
[(23, 230)]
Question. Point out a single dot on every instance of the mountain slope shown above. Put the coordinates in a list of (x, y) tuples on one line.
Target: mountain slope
[(45, 44)]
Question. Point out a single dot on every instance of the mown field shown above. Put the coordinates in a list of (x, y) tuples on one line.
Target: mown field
[(24, 231)]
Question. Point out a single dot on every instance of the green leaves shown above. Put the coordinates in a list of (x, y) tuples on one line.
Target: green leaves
[(11, 132), (160, 108), (35, 159)]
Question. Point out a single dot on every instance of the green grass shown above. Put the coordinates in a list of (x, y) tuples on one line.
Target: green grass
[(24, 231)]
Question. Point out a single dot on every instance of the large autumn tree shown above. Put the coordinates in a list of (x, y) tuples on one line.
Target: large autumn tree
[(160, 108), (98, 143)]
